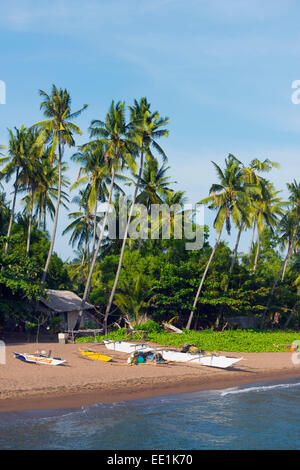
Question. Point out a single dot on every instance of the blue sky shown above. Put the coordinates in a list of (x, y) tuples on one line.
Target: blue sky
[(221, 71)]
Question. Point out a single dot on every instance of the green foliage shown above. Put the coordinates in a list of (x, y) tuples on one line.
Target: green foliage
[(19, 280), (151, 326), (234, 341)]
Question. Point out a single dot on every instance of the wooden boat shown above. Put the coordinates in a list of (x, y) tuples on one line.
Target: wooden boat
[(206, 360), (39, 359), (94, 355), (123, 346)]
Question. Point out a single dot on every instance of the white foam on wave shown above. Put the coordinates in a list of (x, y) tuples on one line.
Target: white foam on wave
[(258, 388)]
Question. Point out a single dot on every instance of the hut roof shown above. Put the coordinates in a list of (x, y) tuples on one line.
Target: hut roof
[(64, 301)]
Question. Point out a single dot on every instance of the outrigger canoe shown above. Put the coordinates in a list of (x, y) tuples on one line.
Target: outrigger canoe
[(206, 360), (39, 359), (212, 360), (123, 346), (95, 355)]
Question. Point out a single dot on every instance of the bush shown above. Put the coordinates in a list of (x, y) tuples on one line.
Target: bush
[(151, 326)]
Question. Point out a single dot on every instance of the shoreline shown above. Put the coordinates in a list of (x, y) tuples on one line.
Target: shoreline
[(84, 382), (71, 400)]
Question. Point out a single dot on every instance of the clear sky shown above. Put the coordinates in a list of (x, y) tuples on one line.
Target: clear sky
[(222, 71)]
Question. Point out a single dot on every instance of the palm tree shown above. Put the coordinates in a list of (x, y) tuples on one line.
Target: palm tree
[(171, 222), (81, 228), (294, 198), (154, 184), (252, 177), (16, 152), (113, 135), (252, 186), (133, 300), (267, 207), (229, 199), (97, 175), (31, 174), (287, 227), (59, 129), (2, 161), (145, 129)]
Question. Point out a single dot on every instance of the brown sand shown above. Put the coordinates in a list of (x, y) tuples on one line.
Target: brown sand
[(83, 381)]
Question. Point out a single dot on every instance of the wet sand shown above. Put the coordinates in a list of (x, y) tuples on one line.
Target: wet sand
[(83, 381)]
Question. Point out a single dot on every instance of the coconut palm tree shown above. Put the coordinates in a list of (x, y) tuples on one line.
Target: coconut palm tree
[(82, 229), (3, 159), (17, 158), (113, 135), (252, 187), (133, 300), (58, 129), (251, 175), (145, 129), (288, 226), (96, 176), (31, 174), (267, 207), (228, 198), (294, 199), (154, 184)]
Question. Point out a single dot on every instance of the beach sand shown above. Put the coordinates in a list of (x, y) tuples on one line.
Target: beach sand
[(83, 381)]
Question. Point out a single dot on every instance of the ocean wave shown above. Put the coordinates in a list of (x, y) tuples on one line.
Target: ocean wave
[(259, 388)]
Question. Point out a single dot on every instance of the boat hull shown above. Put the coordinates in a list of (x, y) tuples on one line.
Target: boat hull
[(210, 361), (39, 360), (123, 346), (95, 355)]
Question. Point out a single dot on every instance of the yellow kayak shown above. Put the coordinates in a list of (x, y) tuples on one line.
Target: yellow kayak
[(94, 355)]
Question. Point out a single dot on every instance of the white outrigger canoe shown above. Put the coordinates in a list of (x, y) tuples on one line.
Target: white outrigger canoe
[(39, 359), (211, 361), (123, 346)]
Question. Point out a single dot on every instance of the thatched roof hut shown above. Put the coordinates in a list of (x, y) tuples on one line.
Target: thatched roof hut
[(66, 304)]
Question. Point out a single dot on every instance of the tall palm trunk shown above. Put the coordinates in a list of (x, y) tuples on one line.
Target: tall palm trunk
[(257, 251), (46, 268), (45, 216), (112, 294), (290, 250), (80, 282), (203, 279), (39, 219), (95, 229), (12, 214), (251, 243), (293, 311), (30, 223), (234, 256)]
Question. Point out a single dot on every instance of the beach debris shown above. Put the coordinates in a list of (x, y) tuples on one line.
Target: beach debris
[(95, 355), (191, 348), (141, 357), (173, 328), (288, 347), (39, 358)]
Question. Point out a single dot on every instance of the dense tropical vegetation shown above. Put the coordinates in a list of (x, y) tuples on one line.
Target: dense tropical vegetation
[(131, 279)]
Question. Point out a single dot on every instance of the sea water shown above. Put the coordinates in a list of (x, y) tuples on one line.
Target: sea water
[(259, 416)]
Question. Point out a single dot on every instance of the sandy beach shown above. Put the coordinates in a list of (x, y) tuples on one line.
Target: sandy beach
[(83, 381)]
